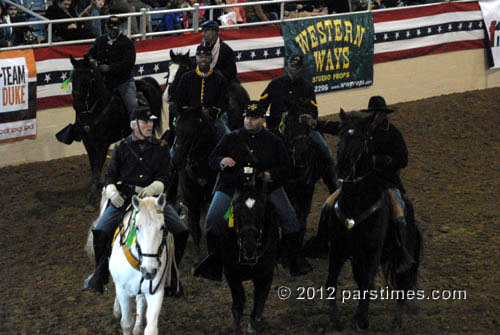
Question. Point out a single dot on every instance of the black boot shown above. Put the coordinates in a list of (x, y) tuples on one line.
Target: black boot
[(297, 263), (96, 281), (405, 259), (211, 266), (180, 242), (317, 246)]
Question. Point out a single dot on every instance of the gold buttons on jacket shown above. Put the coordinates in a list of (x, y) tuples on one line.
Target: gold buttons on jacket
[(141, 176), (140, 158)]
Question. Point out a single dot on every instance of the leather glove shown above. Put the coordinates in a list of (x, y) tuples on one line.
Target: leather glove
[(155, 188), (380, 162), (112, 194)]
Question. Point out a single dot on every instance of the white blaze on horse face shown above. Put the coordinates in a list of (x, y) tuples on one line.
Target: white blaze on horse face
[(172, 71), (250, 202), (351, 131)]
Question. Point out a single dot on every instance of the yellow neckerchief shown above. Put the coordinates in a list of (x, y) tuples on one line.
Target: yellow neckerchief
[(204, 75)]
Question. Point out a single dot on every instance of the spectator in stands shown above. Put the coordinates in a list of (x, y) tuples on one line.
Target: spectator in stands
[(68, 31), (337, 6), (5, 33), (172, 21), (19, 33), (216, 13), (257, 14), (222, 54), (96, 8), (238, 11)]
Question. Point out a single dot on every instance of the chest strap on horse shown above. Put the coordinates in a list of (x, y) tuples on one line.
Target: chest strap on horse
[(350, 222)]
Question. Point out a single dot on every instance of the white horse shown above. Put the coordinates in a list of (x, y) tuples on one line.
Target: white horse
[(140, 263)]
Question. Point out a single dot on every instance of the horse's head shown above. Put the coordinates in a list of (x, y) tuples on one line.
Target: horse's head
[(150, 233), (249, 222), (238, 99), (83, 80), (180, 64), (195, 134), (354, 154)]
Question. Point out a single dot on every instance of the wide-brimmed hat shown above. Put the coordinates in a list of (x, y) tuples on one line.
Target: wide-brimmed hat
[(377, 104), (253, 109), (210, 25)]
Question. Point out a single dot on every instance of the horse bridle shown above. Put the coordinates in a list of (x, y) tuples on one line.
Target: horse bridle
[(239, 234), (352, 174)]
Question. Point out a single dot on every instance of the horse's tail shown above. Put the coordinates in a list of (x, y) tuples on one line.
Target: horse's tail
[(89, 246), (153, 93)]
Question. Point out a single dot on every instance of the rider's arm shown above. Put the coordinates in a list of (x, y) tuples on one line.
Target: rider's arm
[(220, 151), (113, 172), (313, 105)]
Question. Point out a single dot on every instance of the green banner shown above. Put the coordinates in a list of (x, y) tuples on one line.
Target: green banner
[(338, 50)]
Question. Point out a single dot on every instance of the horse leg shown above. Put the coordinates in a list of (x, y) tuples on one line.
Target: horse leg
[(100, 159), (336, 261), (238, 295), (117, 312), (153, 312), (139, 318), (364, 269), (125, 302), (261, 287)]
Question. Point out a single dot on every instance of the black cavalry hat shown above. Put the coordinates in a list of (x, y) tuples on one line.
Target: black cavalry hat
[(143, 112), (377, 104), (203, 49), (210, 25), (253, 109), (113, 22)]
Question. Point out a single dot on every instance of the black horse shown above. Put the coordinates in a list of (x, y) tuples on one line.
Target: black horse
[(101, 117), (250, 248), (305, 158), (361, 228), (196, 138)]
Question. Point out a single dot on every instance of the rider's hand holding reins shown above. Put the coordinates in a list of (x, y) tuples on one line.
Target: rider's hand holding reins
[(155, 188), (267, 177), (114, 196), (227, 161)]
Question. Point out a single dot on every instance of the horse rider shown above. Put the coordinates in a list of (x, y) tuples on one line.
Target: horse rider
[(222, 54), (205, 87), (254, 146), (390, 155), (292, 87), (140, 164), (114, 55)]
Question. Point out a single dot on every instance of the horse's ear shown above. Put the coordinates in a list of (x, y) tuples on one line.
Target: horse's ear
[(72, 60), (342, 115), (172, 55), (136, 202), (161, 200)]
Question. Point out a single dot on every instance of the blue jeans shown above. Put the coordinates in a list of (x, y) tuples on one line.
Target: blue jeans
[(401, 202), (215, 221), (322, 145), (110, 220), (128, 92)]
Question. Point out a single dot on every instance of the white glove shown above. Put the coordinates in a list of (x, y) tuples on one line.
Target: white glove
[(112, 193), (155, 188)]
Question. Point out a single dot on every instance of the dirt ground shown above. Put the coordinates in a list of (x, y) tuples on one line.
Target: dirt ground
[(452, 178)]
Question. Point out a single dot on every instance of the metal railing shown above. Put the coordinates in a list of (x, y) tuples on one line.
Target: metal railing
[(144, 17)]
